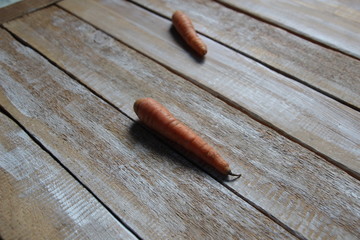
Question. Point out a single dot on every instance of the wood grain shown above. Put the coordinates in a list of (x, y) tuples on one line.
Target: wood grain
[(300, 189), (40, 200), (155, 191), (331, 72), (309, 117), (23, 7), (334, 23), (5, 3)]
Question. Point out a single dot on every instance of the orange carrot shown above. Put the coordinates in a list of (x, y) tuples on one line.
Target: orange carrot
[(157, 117), (186, 29)]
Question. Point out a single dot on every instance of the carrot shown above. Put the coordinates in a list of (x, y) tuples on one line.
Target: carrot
[(157, 117), (186, 29)]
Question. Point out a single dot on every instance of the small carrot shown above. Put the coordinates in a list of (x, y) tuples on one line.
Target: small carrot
[(186, 29), (157, 117)]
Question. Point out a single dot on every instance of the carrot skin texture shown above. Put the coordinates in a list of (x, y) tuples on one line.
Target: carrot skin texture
[(157, 117), (187, 31)]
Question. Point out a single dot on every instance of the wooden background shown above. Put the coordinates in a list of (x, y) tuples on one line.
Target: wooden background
[(278, 95)]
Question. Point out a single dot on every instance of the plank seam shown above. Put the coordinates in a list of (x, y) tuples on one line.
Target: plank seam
[(290, 76), (27, 11), (264, 20), (38, 142), (263, 63), (224, 99), (254, 205)]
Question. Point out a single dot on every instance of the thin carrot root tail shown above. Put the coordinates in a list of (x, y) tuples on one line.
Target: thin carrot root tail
[(234, 174)]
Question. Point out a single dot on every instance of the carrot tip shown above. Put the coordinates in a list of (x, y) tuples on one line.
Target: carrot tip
[(234, 174)]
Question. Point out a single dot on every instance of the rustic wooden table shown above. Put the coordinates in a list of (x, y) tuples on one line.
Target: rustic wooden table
[(278, 95)]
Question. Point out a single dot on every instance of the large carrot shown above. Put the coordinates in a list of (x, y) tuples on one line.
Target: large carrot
[(186, 29), (157, 117)]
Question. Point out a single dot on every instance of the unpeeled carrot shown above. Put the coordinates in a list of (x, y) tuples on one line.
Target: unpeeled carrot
[(157, 117), (186, 29)]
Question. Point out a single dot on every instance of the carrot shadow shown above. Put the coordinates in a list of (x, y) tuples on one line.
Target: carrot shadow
[(181, 42), (172, 151), (156, 144)]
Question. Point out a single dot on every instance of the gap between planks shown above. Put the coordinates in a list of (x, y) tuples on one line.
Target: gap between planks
[(261, 15), (203, 85), (87, 89), (74, 199), (211, 173), (263, 62), (225, 99), (38, 142), (293, 32), (23, 7)]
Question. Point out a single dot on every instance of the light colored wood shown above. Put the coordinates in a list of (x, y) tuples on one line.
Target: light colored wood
[(22, 7), (291, 183), (5, 3), (155, 191), (332, 72), (40, 200), (311, 118), (334, 23)]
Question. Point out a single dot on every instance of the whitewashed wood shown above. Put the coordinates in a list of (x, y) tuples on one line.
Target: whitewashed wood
[(334, 23), (40, 200), (22, 7), (320, 123), (292, 184), (332, 72), (153, 190), (5, 3)]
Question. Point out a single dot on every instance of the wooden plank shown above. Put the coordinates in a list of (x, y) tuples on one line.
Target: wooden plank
[(40, 200), (289, 182), (309, 117), (22, 7), (5, 3), (155, 191), (331, 72), (333, 23)]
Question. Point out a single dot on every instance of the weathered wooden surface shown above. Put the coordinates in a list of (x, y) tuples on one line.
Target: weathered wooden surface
[(286, 190), (332, 72), (301, 190), (22, 7), (5, 3), (40, 200), (332, 22), (155, 191), (309, 117)]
